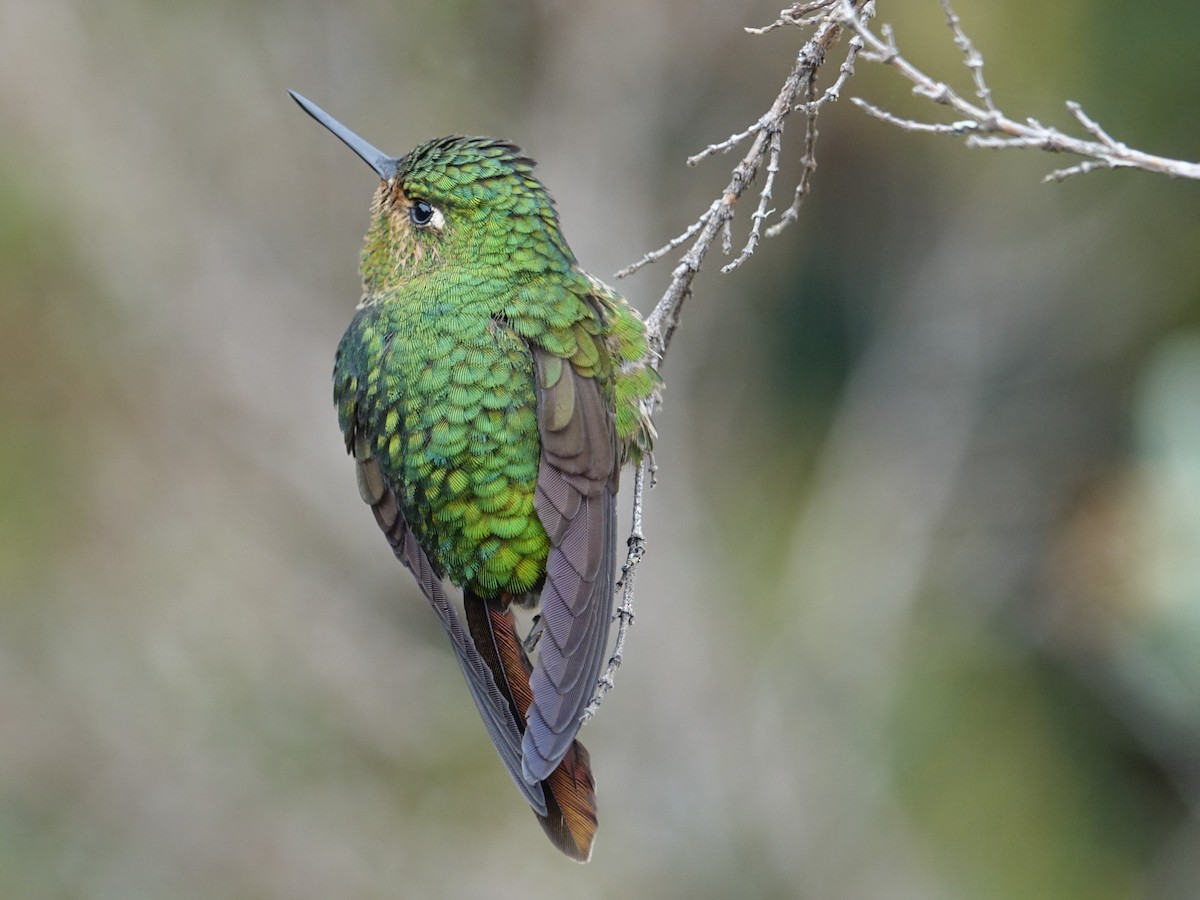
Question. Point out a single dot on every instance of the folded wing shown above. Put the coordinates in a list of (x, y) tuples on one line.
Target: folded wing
[(576, 503)]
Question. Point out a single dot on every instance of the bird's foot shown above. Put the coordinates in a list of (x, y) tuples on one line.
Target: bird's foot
[(535, 634)]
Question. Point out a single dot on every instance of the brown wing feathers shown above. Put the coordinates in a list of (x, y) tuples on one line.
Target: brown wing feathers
[(576, 502), (570, 817)]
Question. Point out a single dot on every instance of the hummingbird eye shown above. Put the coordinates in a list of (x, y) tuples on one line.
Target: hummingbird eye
[(421, 213)]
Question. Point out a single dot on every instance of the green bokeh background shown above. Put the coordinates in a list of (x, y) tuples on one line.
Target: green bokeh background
[(921, 612)]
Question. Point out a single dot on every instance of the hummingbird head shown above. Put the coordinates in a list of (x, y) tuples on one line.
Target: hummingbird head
[(471, 203)]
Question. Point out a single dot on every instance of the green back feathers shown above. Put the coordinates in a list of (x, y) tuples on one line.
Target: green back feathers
[(496, 253)]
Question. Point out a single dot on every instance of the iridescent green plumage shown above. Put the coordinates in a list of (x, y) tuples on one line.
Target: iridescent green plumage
[(490, 390), (437, 365)]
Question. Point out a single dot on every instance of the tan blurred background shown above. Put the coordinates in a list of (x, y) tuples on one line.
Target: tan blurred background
[(921, 613)]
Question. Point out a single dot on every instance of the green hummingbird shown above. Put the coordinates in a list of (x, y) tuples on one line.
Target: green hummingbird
[(490, 391)]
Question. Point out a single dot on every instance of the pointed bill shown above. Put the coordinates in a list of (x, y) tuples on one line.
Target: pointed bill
[(384, 165)]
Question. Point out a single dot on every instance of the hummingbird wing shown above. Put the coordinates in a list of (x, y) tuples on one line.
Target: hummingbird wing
[(493, 704), (576, 502)]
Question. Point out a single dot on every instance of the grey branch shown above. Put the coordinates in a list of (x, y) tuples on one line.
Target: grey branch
[(983, 124), (798, 94), (624, 614), (765, 151)]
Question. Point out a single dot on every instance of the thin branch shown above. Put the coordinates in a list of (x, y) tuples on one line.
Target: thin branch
[(985, 125), (972, 58), (775, 147), (730, 142), (982, 124), (766, 147), (1090, 124), (808, 162), (795, 16), (678, 240), (624, 613)]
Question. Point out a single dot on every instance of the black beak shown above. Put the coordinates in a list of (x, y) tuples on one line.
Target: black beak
[(385, 166)]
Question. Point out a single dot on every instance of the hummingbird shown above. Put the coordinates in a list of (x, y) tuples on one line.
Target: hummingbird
[(490, 391)]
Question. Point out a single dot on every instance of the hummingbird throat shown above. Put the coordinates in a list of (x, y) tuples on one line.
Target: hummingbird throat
[(395, 250)]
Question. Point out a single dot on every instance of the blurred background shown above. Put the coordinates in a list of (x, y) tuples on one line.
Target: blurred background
[(921, 612)]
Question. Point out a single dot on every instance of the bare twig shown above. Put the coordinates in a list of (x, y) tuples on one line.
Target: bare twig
[(972, 58), (624, 614), (766, 147), (984, 125), (808, 162), (678, 240), (795, 15), (775, 148)]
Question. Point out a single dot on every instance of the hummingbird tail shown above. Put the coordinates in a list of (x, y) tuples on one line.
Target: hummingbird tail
[(570, 820)]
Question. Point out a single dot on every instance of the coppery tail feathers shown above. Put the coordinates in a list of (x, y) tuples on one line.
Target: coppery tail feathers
[(570, 820)]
